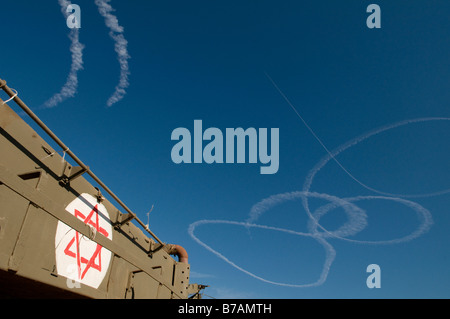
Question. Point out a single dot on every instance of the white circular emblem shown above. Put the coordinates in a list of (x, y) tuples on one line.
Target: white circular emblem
[(77, 257)]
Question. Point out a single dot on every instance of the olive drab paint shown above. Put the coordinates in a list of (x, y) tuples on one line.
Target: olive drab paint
[(61, 237)]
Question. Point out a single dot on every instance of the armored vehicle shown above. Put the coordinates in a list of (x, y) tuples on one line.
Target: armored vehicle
[(61, 238)]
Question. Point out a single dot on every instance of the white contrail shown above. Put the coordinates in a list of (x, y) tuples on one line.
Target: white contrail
[(427, 220), (116, 33), (359, 139), (357, 222), (357, 218), (76, 48), (329, 250), (355, 214), (332, 155), (424, 216)]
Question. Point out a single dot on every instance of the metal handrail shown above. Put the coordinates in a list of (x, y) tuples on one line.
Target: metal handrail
[(13, 95)]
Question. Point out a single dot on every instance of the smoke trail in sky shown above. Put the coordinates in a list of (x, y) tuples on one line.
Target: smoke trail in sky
[(357, 218), (332, 155), (423, 215), (357, 221), (427, 220), (116, 33), (76, 48), (329, 250)]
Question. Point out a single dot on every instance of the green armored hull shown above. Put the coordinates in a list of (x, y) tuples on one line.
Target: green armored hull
[(60, 237)]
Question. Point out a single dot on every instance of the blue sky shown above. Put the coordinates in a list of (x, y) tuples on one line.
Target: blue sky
[(208, 60)]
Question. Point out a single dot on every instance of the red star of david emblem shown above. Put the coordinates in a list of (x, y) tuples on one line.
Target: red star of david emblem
[(95, 261)]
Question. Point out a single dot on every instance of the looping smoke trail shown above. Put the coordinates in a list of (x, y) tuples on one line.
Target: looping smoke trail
[(329, 250), (357, 222), (332, 155), (116, 33), (76, 48), (423, 215), (357, 218)]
